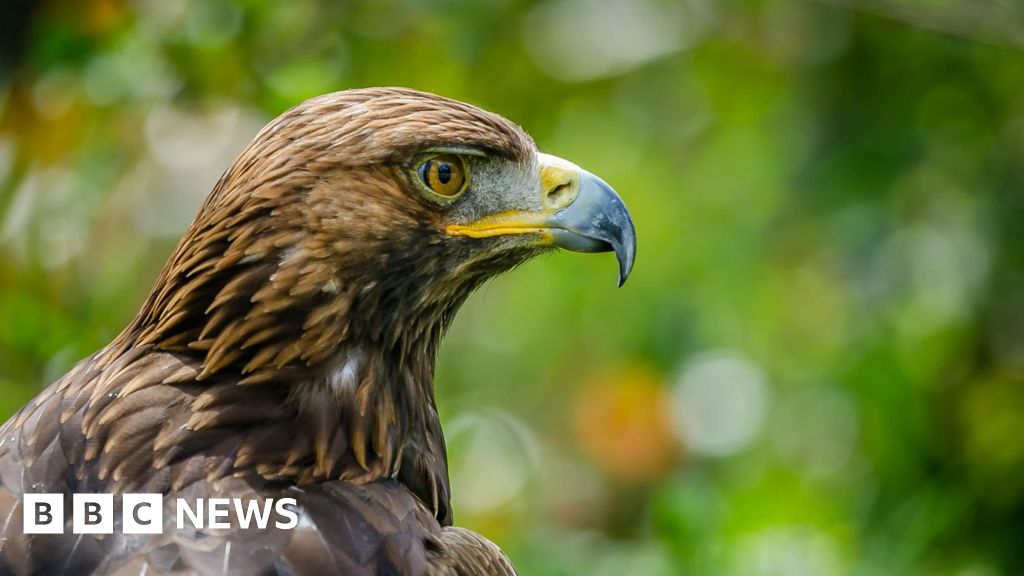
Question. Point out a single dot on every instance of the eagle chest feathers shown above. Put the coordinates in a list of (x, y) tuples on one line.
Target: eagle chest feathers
[(287, 349)]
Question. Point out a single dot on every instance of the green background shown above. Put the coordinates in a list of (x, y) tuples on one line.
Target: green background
[(817, 367)]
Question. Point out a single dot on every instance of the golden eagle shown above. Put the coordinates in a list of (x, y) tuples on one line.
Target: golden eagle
[(287, 349)]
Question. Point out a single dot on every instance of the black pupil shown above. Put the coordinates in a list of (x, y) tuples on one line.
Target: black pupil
[(444, 173)]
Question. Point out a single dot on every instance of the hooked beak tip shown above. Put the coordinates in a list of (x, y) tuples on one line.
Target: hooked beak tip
[(597, 221)]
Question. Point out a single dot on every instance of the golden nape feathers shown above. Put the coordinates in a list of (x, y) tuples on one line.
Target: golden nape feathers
[(288, 347)]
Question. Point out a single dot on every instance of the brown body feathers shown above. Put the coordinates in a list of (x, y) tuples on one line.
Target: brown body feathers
[(287, 350)]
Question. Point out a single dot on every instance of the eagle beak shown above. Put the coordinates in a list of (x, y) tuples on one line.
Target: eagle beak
[(579, 212), (596, 221)]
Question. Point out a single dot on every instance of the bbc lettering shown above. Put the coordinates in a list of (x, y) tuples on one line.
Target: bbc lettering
[(144, 513)]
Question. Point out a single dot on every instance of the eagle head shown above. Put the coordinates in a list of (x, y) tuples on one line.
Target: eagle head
[(294, 329), (369, 215)]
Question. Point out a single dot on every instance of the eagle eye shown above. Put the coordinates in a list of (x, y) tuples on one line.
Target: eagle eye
[(444, 175)]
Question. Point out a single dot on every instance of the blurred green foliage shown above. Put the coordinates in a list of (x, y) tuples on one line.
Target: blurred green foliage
[(817, 367)]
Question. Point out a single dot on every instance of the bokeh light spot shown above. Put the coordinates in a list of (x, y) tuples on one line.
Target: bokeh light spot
[(492, 456), (719, 403), (621, 422)]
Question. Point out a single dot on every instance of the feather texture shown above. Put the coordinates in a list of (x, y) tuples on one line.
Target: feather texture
[(287, 350)]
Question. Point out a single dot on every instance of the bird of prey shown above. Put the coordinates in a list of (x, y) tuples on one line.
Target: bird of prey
[(287, 349)]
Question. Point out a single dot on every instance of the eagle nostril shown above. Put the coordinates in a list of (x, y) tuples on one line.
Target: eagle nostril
[(559, 196)]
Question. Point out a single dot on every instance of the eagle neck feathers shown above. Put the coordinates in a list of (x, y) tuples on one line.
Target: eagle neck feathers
[(281, 365)]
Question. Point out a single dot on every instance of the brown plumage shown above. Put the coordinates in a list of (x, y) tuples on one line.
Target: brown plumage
[(287, 349)]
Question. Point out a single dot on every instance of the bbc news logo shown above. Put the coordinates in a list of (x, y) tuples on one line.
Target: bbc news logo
[(144, 513)]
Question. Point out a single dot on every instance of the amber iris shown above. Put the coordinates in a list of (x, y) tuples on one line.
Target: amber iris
[(444, 175)]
